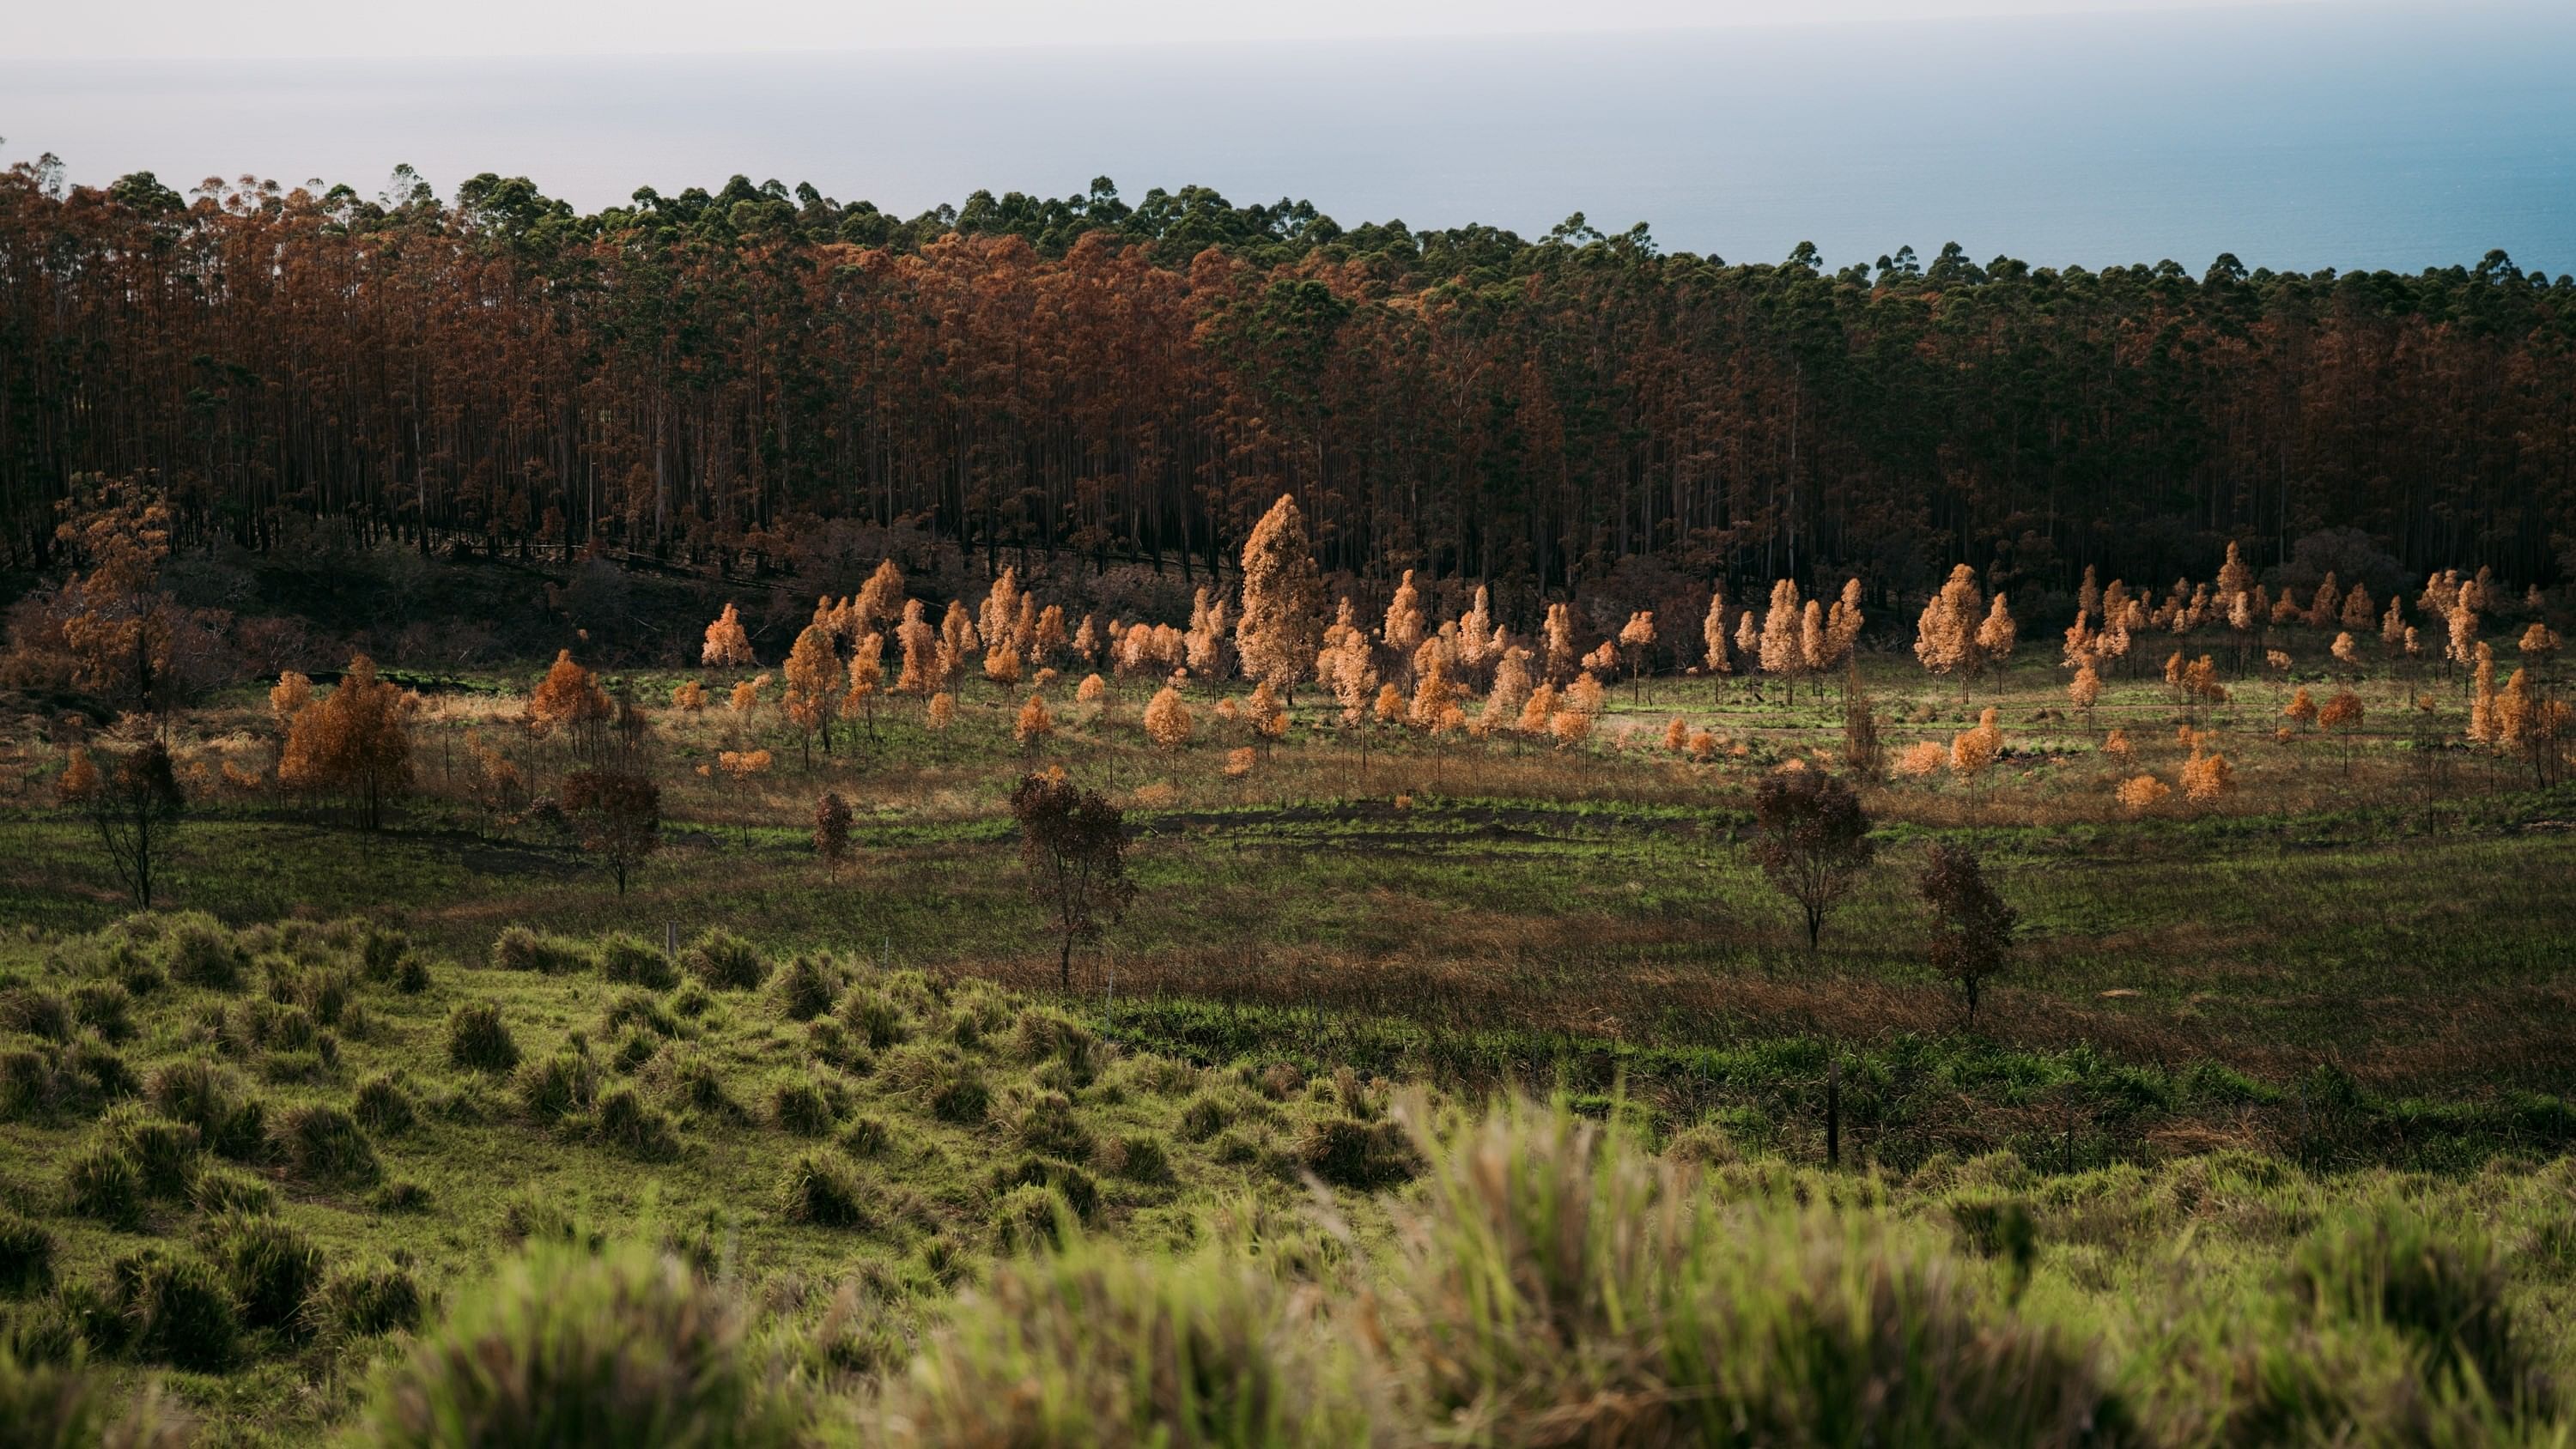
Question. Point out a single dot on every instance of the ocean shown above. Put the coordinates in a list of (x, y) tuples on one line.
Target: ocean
[(2342, 135)]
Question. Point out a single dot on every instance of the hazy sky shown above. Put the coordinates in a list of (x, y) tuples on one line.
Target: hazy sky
[(300, 28), (2378, 133)]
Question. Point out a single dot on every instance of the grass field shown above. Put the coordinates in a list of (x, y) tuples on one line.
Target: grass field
[(2319, 1020)]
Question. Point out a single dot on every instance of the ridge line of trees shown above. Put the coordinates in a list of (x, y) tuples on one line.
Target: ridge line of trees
[(715, 373)]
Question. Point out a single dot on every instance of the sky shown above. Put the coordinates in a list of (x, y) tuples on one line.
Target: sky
[(241, 29), (2392, 134)]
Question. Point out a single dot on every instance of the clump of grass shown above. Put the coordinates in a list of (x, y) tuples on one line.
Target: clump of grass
[(1203, 1116), (1071, 1185), (1092, 1346), (101, 1182), (865, 1137), (2442, 1291), (59, 1403), (105, 1007), (383, 1107), (27, 1252), (270, 1267), (1142, 1157), (874, 1018), (1348, 1152), (478, 1040), (1031, 1218), (1049, 1124), (961, 1097), (558, 1086), (696, 1082), (519, 949), (1564, 1277), (165, 1154), (821, 1189), (36, 1012), (198, 951), (229, 1190), (402, 1195), (566, 1348), (177, 1310), (325, 1143), (799, 1105), (807, 988), (368, 1300), (630, 959), (726, 962), (411, 976), (638, 1008), (381, 953), (28, 1084), (635, 1127), (230, 1121)]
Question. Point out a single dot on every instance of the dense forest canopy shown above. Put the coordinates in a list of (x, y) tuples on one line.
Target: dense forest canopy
[(1079, 379)]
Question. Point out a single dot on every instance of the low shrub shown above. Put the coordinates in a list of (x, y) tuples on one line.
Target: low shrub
[(564, 1348), (478, 1041), (726, 962)]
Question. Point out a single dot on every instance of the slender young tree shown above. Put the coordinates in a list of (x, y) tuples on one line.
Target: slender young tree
[(1073, 844), (1972, 928), (1812, 841)]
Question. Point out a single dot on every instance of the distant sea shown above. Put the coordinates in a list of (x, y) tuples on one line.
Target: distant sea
[(2351, 136)]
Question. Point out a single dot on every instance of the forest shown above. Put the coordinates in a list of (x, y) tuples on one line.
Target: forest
[(708, 376)]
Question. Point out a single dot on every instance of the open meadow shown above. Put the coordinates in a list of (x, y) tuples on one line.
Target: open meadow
[(419, 1097)]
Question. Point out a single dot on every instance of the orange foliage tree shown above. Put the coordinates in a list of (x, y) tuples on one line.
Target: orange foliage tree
[(354, 741)]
